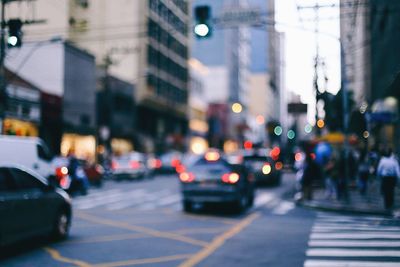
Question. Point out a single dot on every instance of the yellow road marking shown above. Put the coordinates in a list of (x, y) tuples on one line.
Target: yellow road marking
[(209, 230), (143, 261), (210, 218), (142, 229), (219, 241), (107, 238), (57, 256)]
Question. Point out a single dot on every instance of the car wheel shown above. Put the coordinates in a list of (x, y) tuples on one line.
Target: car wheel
[(62, 224), (242, 203), (187, 206), (250, 200)]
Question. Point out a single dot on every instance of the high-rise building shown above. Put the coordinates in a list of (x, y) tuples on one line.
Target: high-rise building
[(369, 37), (142, 42), (241, 57)]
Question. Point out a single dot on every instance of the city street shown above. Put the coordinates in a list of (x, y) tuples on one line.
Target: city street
[(141, 223)]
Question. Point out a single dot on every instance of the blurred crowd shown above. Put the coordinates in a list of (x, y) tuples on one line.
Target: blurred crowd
[(339, 170)]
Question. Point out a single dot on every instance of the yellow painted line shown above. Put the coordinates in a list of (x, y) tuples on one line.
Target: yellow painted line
[(57, 256), (141, 229), (210, 218), (209, 230), (219, 241), (143, 261), (107, 238)]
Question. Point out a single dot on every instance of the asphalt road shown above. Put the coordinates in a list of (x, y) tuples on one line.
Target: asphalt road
[(142, 223)]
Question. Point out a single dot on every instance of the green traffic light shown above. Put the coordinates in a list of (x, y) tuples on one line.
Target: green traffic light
[(291, 134), (278, 130), (201, 30), (12, 40), (308, 128)]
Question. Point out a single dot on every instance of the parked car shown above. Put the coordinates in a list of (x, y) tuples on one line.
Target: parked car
[(213, 179), (30, 152), (132, 165), (30, 206)]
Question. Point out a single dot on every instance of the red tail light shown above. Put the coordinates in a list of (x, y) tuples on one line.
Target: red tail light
[(298, 156), (180, 168), (61, 172), (279, 165), (186, 177), (64, 182), (230, 178), (175, 163), (114, 165), (275, 152), (155, 163), (135, 164)]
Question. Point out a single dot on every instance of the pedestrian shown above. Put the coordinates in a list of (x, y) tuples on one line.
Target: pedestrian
[(388, 171), (363, 174), (331, 172), (311, 172)]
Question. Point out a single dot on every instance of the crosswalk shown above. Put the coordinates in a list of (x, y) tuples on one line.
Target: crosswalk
[(352, 241), (144, 199)]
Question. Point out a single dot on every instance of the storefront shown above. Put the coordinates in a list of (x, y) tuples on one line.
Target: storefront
[(20, 128), (84, 146)]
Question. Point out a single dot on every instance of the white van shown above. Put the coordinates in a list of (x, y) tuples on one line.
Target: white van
[(30, 152)]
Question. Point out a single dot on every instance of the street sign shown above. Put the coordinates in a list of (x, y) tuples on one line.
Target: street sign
[(236, 17), (297, 108)]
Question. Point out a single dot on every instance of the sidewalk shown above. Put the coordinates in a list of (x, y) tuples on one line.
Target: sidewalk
[(371, 203)]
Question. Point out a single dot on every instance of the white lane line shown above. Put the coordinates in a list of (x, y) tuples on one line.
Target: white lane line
[(273, 203), (351, 220), (169, 200), (352, 225), (328, 263), (99, 202), (110, 198), (95, 196), (326, 252), (283, 208), (356, 235), (262, 199), (137, 201), (354, 228), (342, 217), (353, 243)]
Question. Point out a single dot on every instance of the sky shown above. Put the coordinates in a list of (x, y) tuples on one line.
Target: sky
[(300, 46)]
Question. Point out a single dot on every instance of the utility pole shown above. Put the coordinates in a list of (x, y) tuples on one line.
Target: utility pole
[(316, 9), (3, 83), (3, 94)]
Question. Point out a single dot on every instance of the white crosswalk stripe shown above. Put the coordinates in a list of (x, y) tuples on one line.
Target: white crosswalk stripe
[(351, 241)]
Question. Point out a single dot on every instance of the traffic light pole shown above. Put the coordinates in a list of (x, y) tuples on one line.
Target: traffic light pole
[(3, 94)]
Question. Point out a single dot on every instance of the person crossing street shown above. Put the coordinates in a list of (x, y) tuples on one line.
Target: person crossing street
[(388, 172)]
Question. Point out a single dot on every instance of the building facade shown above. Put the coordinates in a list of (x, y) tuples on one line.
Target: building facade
[(63, 73), (142, 42)]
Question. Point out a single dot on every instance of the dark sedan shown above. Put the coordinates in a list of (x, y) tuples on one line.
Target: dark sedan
[(213, 179), (264, 168), (29, 206)]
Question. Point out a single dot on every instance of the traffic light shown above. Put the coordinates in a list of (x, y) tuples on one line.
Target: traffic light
[(14, 33), (202, 27)]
